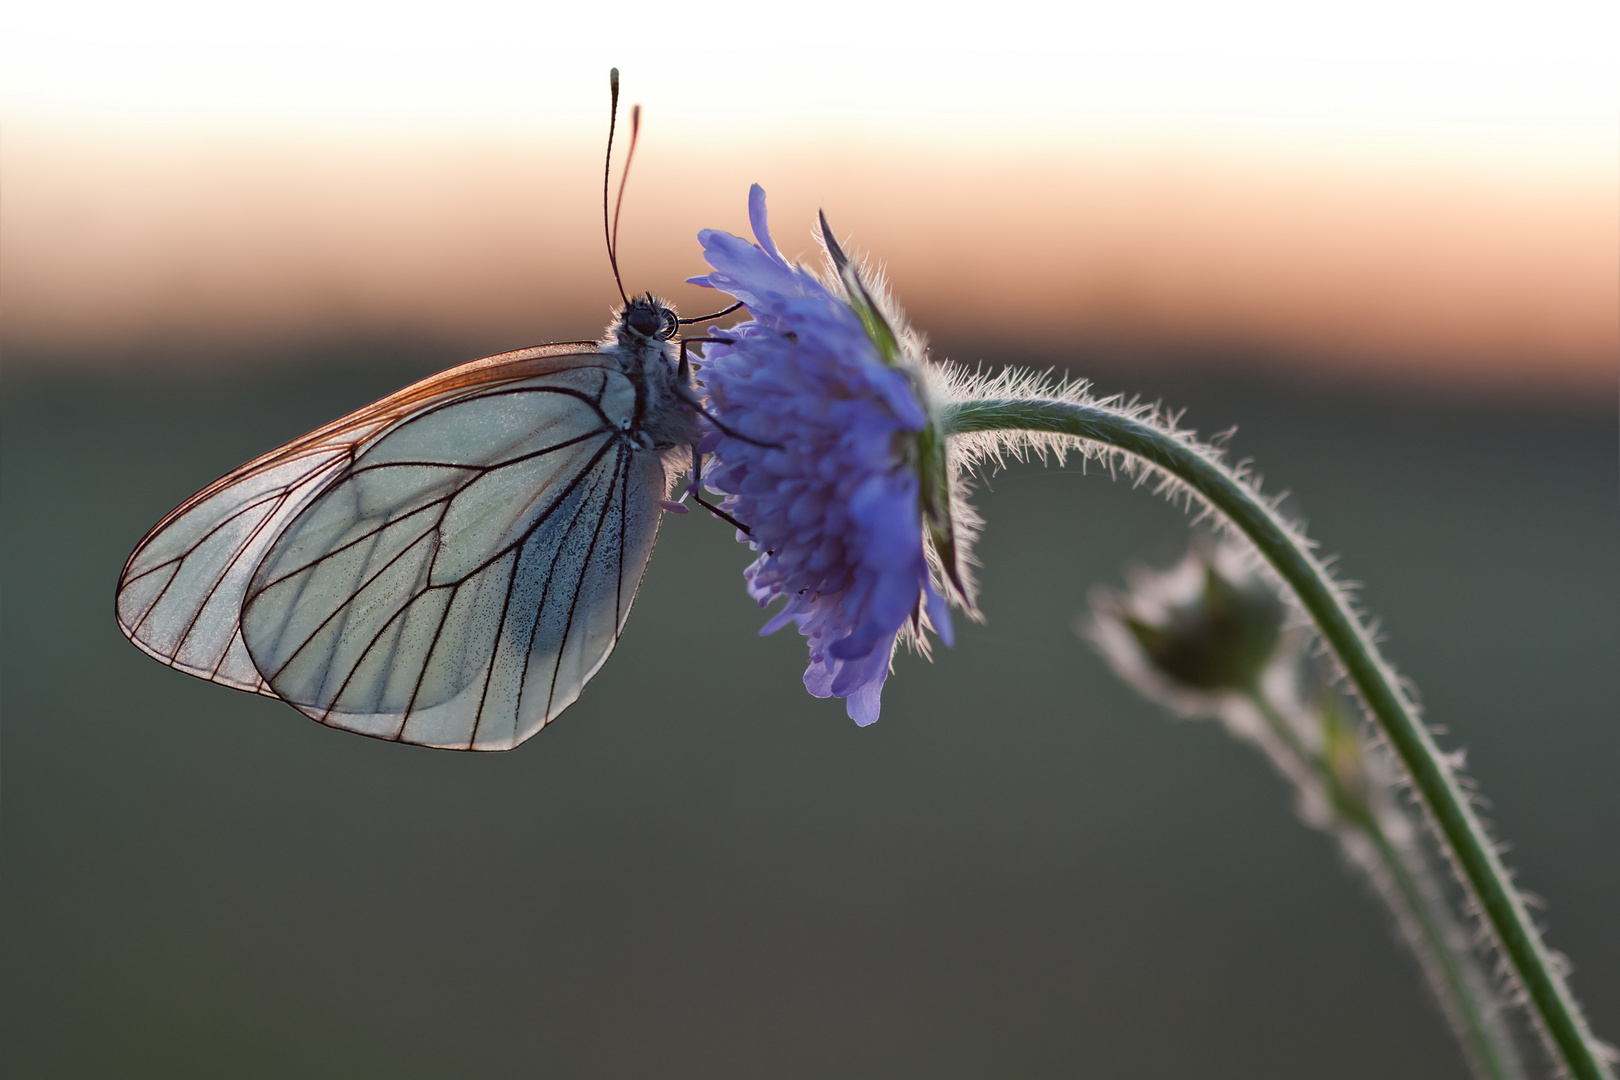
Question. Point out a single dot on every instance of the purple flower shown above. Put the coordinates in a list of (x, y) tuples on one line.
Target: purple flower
[(818, 454)]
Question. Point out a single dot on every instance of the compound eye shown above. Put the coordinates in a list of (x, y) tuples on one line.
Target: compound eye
[(670, 325), (643, 319)]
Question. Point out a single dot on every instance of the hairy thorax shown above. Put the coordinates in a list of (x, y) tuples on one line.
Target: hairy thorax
[(665, 415)]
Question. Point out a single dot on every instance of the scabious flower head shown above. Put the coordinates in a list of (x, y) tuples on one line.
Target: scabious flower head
[(825, 448)]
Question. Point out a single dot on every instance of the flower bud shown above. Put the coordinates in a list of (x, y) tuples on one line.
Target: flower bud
[(1206, 626)]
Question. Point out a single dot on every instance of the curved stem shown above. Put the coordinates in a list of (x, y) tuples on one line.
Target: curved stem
[(1452, 815), (1452, 983), (1454, 977)]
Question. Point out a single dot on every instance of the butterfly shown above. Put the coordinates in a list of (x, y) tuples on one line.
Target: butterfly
[(448, 566)]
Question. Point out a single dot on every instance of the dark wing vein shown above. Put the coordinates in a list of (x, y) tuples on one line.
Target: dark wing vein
[(573, 602), (313, 634), (489, 666), (540, 610), (178, 561)]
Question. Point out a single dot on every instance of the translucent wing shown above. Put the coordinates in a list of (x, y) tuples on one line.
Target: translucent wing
[(448, 566)]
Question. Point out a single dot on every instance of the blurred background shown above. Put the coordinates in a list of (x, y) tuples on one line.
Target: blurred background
[(1382, 243)]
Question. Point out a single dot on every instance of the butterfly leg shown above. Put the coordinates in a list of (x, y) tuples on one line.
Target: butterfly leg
[(684, 390), (695, 490)]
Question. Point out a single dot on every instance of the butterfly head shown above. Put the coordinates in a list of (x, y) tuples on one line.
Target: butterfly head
[(649, 317)]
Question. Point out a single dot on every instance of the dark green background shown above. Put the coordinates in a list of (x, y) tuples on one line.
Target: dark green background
[(1021, 870)]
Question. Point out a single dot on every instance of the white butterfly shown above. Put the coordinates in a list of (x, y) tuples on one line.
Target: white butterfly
[(448, 566)]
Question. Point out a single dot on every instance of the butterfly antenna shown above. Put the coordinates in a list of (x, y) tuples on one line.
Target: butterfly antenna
[(610, 231), (624, 178)]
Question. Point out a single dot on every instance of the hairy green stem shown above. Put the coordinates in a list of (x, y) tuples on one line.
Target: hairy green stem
[(1453, 817), (1476, 1027), (1463, 991)]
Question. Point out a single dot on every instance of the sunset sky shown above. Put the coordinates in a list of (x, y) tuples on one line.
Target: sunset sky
[(1400, 187)]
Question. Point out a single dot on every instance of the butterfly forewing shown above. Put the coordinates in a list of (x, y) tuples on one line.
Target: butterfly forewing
[(447, 567), (181, 592)]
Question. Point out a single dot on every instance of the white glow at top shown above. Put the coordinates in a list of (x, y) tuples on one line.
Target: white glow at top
[(1502, 74)]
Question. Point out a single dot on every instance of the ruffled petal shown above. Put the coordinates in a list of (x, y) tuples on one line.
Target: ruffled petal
[(758, 222)]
